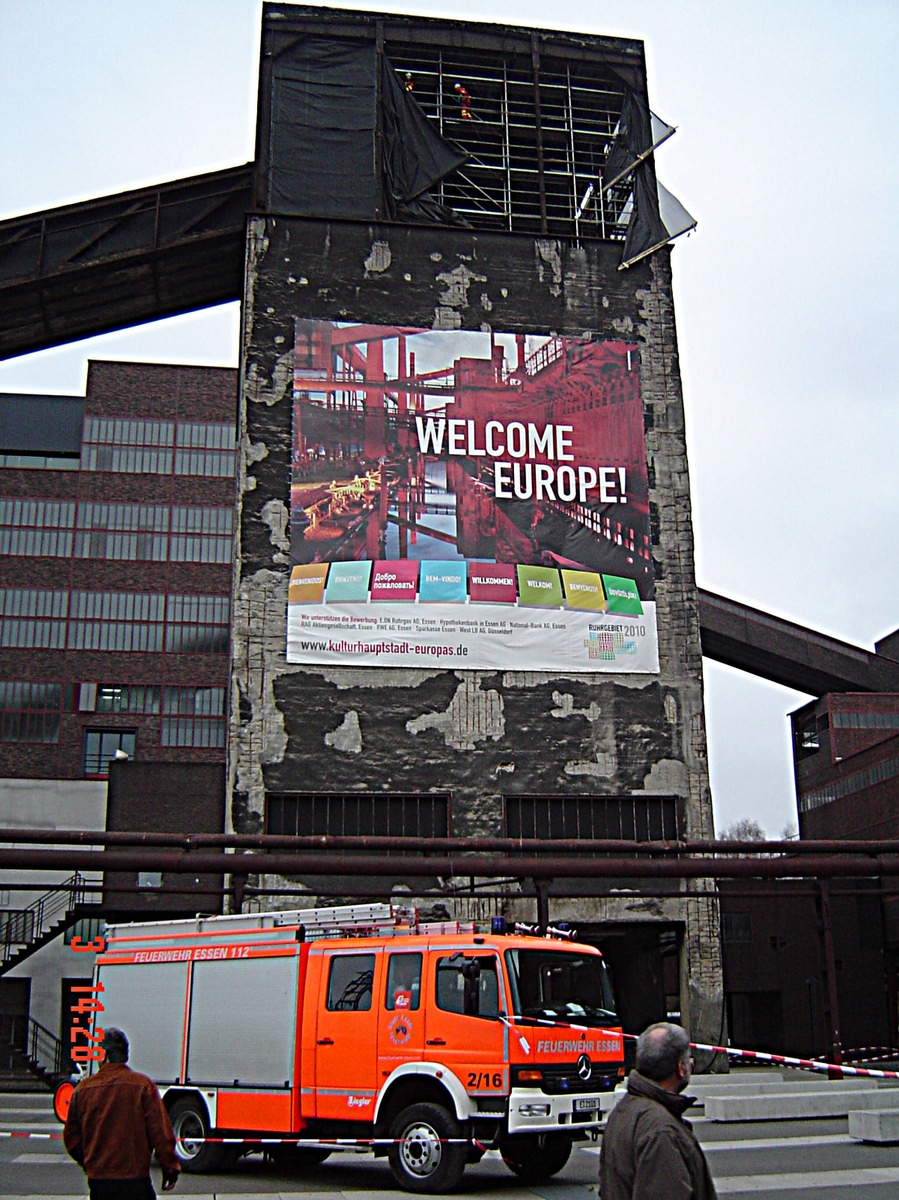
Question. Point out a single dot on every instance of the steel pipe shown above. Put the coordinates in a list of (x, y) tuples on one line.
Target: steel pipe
[(544, 867), (443, 846)]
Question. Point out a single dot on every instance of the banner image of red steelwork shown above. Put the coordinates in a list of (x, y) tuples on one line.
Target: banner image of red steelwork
[(476, 498)]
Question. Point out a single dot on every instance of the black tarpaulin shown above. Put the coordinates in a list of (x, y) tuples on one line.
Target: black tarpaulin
[(645, 230), (638, 132), (416, 156), (656, 216), (322, 160), (657, 219), (323, 135)]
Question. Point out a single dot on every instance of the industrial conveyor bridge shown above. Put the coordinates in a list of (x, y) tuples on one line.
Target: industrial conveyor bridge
[(105, 264)]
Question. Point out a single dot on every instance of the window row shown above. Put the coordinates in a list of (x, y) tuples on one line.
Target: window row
[(32, 712), (629, 818), (39, 462), (148, 532), (103, 746), (357, 814), (151, 699), (848, 786), (158, 447), (866, 720), (126, 621)]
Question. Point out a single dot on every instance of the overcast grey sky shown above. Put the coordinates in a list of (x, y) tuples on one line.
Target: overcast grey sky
[(786, 295)]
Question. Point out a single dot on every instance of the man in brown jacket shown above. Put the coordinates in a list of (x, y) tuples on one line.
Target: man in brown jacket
[(116, 1120), (649, 1152)]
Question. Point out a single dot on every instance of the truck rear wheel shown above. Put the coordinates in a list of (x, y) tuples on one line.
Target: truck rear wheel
[(190, 1121), (535, 1157), (428, 1150)]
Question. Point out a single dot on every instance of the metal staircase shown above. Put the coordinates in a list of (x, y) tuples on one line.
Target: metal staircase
[(31, 1056), (25, 930)]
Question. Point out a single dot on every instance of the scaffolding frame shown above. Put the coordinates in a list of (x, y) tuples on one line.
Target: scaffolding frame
[(537, 130)]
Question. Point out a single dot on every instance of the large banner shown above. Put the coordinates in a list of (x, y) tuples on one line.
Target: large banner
[(474, 500)]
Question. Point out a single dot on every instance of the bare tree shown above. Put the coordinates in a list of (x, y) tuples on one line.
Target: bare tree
[(745, 830)]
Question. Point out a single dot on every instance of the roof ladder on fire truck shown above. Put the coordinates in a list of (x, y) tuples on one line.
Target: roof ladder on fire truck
[(341, 920), (349, 918)]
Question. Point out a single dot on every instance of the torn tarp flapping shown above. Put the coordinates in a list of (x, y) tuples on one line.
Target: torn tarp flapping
[(655, 215), (416, 156), (638, 133)]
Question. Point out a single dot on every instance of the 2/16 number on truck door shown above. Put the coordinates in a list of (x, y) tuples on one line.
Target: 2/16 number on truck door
[(463, 1027)]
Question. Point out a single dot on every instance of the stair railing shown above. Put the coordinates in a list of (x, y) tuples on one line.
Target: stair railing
[(25, 926), (24, 1038), (45, 1050)]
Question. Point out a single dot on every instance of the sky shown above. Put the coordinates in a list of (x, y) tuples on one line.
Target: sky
[(785, 293)]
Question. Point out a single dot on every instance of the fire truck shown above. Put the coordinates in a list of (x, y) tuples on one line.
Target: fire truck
[(315, 1030)]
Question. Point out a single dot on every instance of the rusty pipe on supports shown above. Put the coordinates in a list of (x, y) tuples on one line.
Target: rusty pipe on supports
[(544, 867), (492, 892), (437, 845)]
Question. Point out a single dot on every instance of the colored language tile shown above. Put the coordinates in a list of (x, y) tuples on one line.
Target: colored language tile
[(492, 583), (348, 582), (443, 581), (539, 587), (394, 579), (583, 590), (622, 595), (307, 583)]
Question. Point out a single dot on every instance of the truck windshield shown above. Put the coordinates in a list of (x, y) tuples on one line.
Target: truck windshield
[(558, 985)]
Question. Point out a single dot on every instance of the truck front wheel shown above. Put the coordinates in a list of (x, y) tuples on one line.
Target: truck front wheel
[(535, 1157), (190, 1122), (427, 1152)]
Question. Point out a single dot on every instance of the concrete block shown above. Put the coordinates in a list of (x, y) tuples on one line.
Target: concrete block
[(876, 1125), (781, 1087), (799, 1105)]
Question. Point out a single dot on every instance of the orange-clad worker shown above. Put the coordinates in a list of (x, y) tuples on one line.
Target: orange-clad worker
[(464, 98)]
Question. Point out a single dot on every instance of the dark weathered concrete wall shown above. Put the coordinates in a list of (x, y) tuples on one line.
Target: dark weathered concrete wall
[(474, 734)]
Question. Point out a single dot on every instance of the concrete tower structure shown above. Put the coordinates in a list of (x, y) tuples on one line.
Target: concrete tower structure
[(460, 382)]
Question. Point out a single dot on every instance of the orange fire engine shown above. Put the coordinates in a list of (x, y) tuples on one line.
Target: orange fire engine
[(357, 1026)]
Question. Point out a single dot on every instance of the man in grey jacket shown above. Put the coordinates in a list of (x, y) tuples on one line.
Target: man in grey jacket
[(649, 1151)]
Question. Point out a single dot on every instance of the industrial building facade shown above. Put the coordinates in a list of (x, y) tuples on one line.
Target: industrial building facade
[(478, 215), (456, 596)]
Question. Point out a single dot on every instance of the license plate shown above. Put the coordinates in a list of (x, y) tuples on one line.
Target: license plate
[(586, 1105)]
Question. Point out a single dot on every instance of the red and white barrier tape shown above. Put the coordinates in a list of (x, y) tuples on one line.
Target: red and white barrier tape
[(807, 1064), (300, 1143), (14, 1133), (783, 1060), (870, 1054)]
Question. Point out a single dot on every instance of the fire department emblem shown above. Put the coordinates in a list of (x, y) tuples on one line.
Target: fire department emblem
[(400, 1029)]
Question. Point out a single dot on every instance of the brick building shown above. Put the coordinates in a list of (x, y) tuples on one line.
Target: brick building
[(116, 555)]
